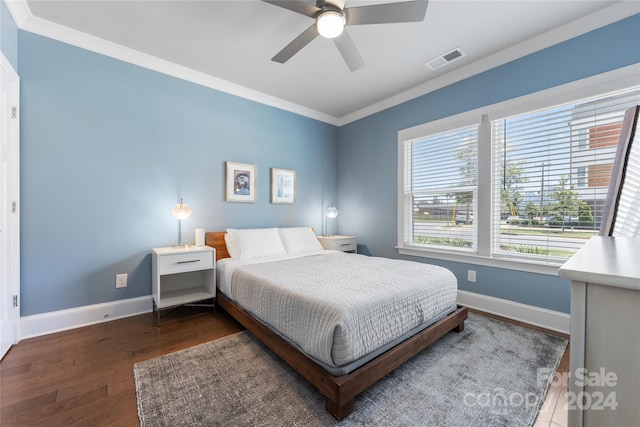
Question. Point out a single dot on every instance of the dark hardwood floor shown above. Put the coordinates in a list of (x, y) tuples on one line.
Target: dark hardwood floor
[(84, 377)]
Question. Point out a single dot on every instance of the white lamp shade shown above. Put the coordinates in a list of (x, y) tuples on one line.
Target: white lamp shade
[(331, 212), (330, 24), (181, 210)]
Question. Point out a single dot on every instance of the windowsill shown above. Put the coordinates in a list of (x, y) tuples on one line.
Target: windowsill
[(550, 269)]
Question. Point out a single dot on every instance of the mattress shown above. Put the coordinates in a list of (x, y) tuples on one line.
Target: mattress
[(341, 310)]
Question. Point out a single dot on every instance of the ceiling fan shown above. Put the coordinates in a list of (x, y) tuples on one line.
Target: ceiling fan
[(331, 16)]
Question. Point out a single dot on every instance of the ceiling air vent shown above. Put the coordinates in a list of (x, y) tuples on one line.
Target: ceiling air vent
[(445, 58)]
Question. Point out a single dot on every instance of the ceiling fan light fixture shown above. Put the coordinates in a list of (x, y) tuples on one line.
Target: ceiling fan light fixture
[(330, 23)]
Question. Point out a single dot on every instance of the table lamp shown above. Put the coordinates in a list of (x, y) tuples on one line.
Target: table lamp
[(180, 211)]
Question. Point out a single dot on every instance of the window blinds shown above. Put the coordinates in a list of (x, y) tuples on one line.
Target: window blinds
[(441, 189), (627, 218), (551, 175)]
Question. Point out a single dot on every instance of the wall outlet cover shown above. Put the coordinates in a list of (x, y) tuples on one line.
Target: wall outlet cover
[(471, 275), (121, 280)]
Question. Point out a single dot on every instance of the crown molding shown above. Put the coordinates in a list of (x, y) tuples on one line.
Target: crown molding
[(25, 20), (19, 11), (609, 15)]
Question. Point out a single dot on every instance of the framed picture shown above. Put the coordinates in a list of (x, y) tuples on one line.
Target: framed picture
[(241, 182), (283, 186)]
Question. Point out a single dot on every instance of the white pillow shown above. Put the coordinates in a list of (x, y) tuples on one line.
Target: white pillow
[(299, 239), (229, 242), (254, 243)]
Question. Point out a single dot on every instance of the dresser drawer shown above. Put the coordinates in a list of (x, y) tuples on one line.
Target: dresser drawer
[(185, 262)]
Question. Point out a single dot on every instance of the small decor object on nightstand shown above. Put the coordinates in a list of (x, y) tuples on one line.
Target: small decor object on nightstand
[(182, 276), (339, 243), (199, 236)]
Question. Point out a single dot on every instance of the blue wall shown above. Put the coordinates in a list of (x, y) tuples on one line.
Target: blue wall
[(109, 147), (368, 151), (8, 36)]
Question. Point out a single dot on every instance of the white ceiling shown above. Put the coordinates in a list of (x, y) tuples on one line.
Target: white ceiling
[(233, 41)]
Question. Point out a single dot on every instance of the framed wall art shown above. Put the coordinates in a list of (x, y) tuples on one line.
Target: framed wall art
[(283, 186), (241, 182)]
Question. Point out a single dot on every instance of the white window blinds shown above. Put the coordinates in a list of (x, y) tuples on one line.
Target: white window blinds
[(440, 189), (551, 174), (627, 217)]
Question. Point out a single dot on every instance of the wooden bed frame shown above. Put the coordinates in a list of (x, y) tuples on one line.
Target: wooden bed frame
[(340, 391)]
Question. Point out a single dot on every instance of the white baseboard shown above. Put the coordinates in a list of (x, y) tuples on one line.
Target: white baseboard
[(62, 320), (56, 321), (549, 319)]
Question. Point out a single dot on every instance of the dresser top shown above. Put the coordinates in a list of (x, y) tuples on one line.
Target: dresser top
[(609, 261)]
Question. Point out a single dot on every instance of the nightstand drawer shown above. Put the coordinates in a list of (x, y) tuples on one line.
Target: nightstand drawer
[(185, 262), (339, 243), (345, 245)]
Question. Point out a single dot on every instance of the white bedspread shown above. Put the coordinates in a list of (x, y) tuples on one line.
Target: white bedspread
[(338, 307)]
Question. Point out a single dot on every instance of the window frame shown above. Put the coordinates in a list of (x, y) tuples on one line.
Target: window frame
[(450, 126), (589, 87)]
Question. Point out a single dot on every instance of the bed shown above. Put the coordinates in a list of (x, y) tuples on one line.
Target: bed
[(313, 309)]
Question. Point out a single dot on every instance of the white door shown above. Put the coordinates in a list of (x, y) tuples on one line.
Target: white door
[(9, 215)]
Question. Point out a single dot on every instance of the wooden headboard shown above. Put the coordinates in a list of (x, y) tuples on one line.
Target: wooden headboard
[(215, 239)]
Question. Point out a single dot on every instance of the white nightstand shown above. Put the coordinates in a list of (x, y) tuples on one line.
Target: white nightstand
[(339, 243), (182, 276)]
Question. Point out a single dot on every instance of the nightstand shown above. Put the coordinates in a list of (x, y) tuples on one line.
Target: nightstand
[(339, 243), (181, 276)]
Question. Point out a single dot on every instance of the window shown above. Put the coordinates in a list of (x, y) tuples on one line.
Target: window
[(583, 139), (582, 174), (519, 182), (440, 189), (540, 175)]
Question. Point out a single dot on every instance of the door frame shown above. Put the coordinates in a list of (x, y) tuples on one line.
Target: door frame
[(14, 195)]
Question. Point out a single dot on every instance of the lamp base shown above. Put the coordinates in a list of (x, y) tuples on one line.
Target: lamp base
[(179, 245)]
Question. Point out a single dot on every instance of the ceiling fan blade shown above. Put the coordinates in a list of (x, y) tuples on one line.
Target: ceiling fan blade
[(349, 51), (388, 13), (301, 7), (298, 43)]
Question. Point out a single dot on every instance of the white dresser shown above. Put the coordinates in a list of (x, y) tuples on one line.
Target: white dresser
[(604, 387)]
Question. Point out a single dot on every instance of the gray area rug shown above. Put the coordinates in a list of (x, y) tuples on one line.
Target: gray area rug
[(492, 374)]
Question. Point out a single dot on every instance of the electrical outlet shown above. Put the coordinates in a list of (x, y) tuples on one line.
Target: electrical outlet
[(121, 280), (471, 276)]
